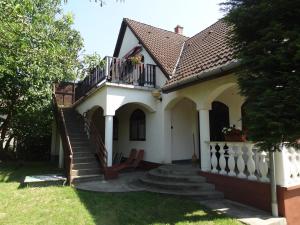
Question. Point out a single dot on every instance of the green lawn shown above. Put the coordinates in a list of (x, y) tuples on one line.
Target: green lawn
[(65, 205)]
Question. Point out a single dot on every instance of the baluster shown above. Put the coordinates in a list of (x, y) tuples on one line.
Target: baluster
[(297, 153), (214, 159), (222, 160), (293, 164), (240, 162), (250, 163), (263, 167), (231, 160)]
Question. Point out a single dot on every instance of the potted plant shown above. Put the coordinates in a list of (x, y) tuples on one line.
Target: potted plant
[(137, 59), (232, 133)]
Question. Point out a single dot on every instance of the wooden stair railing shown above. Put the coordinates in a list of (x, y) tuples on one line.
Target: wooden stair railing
[(61, 125), (96, 140)]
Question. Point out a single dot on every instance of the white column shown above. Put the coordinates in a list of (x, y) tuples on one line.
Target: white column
[(167, 137), (109, 138), (204, 137)]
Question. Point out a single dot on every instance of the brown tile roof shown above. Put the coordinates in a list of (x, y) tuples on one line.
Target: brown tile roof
[(164, 46), (204, 51), (199, 54)]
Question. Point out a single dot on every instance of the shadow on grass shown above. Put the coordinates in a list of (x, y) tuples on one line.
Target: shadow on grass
[(139, 208), (15, 171)]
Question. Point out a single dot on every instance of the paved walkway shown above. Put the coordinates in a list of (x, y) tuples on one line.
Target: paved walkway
[(243, 213), (122, 184)]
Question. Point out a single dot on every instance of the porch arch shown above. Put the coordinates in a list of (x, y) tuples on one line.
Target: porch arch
[(171, 103), (212, 95), (180, 129)]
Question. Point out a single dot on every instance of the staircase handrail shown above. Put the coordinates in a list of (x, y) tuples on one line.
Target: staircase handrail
[(61, 125), (95, 137)]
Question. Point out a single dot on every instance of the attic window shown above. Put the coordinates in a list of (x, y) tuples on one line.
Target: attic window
[(149, 32), (167, 37)]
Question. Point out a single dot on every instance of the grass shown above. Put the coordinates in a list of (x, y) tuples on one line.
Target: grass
[(66, 205)]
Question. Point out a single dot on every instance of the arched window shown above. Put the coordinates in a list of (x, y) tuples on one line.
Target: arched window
[(137, 126)]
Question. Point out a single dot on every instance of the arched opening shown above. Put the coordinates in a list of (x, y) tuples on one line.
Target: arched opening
[(134, 125), (218, 119), (184, 131), (137, 126)]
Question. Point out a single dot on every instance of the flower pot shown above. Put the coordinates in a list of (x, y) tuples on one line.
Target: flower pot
[(235, 137)]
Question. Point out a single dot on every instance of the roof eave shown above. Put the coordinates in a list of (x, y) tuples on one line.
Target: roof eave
[(202, 76)]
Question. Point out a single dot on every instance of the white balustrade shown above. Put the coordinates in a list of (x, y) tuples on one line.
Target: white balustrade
[(239, 159), (231, 161), (240, 163), (222, 161), (244, 160), (288, 166), (251, 163), (263, 167), (214, 160)]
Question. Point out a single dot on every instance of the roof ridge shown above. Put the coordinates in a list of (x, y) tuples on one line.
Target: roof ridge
[(127, 19)]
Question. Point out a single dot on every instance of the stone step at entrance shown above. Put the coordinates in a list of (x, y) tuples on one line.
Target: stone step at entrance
[(182, 180)]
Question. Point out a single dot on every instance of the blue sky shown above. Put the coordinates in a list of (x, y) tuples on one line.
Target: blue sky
[(99, 26)]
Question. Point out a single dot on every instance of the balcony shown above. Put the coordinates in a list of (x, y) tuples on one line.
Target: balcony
[(118, 71)]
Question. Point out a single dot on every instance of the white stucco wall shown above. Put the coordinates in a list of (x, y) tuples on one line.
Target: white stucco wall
[(184, 121), (129, 42), (163, 144), (152, 145)]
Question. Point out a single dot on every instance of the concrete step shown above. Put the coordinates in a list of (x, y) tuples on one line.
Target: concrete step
[(84, 159), (80, 144), (180, 186), (203, 195), (89, 165), (178, 170), (82, 149), (89, 171), (77, 154), (77, 133), (79, 138), (157, 175), (87, 178)]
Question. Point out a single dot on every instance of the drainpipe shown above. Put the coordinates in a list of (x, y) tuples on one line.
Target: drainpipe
[(274, 204)]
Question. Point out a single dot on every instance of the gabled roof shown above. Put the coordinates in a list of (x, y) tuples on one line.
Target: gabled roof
[(185, 60), (204, 52), (163, 46)]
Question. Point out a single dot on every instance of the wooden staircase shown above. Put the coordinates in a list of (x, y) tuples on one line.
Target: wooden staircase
[(84, 159), (85, 166)]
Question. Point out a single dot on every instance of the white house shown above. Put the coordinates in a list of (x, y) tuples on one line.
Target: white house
[(171, 96)]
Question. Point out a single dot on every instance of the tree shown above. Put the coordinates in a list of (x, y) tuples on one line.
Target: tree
[(89, 63), (37, 47), (266, 35)]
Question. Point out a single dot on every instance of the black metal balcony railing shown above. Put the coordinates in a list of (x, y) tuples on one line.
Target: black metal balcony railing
[(118, 71)]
